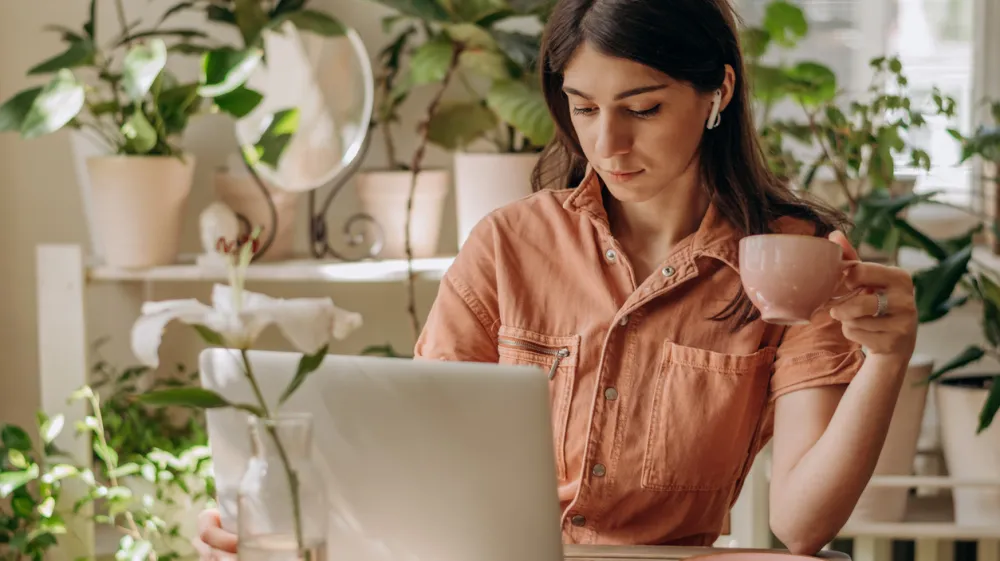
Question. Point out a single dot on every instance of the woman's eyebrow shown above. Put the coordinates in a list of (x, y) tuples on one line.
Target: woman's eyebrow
[(620, 96)]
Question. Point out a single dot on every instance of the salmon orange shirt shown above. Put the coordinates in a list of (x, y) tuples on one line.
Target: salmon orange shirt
[(657, 411)]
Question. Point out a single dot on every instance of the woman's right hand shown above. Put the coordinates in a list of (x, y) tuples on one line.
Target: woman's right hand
[(213, 543)]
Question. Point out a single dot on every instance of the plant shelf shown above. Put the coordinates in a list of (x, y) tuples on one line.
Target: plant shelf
[(303, 270)]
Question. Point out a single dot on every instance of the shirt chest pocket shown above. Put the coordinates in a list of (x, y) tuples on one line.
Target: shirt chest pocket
[(705, 411), (557, 356)]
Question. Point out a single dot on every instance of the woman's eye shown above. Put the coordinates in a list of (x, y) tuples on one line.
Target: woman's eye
[(646, 112), (583, 110)]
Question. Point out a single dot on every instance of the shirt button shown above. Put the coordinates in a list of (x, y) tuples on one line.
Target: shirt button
[(610, 394), (599, 470), (578, 520), (611, 255), (668, 272), (624, 321)]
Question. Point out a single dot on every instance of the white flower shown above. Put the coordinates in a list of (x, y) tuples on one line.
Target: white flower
[(239, 317)]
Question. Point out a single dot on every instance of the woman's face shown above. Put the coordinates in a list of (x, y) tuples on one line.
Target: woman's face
[(639, 128)]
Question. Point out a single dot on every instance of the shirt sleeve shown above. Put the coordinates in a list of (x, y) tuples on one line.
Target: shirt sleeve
[(462, 323), (814, 355)]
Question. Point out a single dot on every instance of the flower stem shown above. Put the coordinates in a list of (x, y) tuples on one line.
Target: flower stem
[(293, 477)]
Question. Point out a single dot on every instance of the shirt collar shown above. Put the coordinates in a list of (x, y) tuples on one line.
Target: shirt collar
[(716, 236)]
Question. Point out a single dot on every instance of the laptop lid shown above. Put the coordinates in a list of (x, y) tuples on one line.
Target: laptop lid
[(423, 459)]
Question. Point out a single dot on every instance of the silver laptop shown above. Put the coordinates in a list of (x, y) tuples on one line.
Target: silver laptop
[(425, 460)]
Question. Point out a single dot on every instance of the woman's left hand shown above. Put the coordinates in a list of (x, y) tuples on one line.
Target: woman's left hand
[(894, 332)]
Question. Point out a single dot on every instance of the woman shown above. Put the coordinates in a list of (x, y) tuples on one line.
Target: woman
[(665, 382)]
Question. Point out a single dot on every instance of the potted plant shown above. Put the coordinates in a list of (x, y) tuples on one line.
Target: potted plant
[(845, 152), (500, 125), (383, 192), (135, 111)]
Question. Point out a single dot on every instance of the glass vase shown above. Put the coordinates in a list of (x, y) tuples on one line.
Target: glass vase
[(283, 505)]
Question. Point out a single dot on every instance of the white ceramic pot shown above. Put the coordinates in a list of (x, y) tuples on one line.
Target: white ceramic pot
[(486, 182), (968, 455), (241, 193), (879, 504), (383, 196), (138, 205)]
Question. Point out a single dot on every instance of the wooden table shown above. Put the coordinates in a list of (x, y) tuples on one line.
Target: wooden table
[(658, 553)]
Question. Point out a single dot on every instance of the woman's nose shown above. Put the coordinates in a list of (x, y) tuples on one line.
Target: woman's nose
[(613, 139)]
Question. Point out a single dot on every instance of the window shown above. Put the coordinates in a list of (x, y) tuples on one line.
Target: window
[(934, 41)]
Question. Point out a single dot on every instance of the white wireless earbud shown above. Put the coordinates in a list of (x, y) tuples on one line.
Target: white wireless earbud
[(715, 117)]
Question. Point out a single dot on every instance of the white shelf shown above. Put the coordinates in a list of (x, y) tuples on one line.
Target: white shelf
[(926, 518), (914, 481), (305, 270)]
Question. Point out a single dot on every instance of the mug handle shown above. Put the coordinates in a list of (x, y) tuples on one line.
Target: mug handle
[(844, 265)]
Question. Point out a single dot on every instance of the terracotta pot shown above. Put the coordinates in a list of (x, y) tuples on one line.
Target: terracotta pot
[(241, 193), (486, 182), (968, 455), (138, 204), (384, 195), (879, 504)]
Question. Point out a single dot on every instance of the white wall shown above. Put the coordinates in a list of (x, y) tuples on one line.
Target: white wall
[(41, 203)]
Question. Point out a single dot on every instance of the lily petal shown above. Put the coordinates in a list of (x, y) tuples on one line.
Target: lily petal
[(147, 332)]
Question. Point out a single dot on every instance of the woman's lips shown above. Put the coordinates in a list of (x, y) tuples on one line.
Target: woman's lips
[(622, 176)]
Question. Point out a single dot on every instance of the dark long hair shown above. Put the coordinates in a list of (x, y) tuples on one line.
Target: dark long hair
[(690, 41)]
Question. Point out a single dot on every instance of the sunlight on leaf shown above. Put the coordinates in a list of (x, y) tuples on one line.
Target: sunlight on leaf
[(57, 104)]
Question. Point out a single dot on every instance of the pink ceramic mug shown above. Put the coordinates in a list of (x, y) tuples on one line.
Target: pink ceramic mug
[(790, 277)]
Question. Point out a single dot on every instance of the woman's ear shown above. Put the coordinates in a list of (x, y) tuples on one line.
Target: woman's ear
[(728, 87)]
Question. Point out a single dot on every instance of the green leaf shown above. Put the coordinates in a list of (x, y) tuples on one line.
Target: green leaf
[(785, 22), (176, 9), (489, 64), (812, 83), (80, 53), (59, 472), (428, 10), (470, 35), (68, 35), (47, 506), (475, 11), (992, 405), (285, 6), (307, 365), (140, 136), (968, 356), (539, 7), (769, 83), (22, 505), (755, 41), (251, 19), (316, 22), (163, 33), (455, 125), (520, 48), (11, 481), (272, 143), (225, 69), (935, 286), (57, 104), (186, 397), (189, 49), (239, 102), (88, 27), (17, 459), (217, 13), (51, 428), (15, 109), (209, 336), (430, 61), (15, 438), (523, 108), (124, 470), (143, 63)]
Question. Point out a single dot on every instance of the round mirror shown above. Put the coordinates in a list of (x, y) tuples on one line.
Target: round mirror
[(311, 128)]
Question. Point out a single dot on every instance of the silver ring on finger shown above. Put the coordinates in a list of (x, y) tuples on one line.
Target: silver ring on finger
[(882, 302)]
